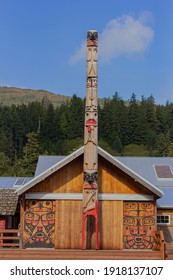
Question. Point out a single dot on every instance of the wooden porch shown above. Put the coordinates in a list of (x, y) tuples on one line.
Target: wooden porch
[(53, 254), (10, 249)]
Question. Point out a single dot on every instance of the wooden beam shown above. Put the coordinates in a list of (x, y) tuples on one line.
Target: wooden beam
[(79, 196)]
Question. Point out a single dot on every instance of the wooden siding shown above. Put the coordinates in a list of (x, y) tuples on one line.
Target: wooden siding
[(111, 224), (68, 224), (68, 227), (70, 179), (167, 229), (113, 180)]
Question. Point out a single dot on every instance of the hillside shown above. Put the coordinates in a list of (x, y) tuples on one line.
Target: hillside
[(18, 96)]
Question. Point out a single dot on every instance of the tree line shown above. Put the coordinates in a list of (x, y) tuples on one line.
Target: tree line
[(133, 128)]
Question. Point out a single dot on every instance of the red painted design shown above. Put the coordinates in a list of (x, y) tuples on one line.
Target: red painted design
[(93, 212), (139, 225), (91, 122), (89, 185), (39, 224)]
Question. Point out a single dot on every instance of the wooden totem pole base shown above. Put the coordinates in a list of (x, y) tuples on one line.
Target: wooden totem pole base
[(91, 213)]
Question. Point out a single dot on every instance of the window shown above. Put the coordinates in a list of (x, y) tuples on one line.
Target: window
[(9, 222), (163, 219)]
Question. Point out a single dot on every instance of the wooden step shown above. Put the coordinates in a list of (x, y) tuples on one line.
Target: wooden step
[(52, 254)]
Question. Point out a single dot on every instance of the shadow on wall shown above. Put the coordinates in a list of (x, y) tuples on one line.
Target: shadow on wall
[(167, 233)]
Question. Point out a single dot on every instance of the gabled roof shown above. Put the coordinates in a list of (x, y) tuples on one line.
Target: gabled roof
[(145, 167), (45, 162), (42, 176), (130, 172)]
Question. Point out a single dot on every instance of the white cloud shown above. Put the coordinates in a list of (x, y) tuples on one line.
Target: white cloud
[(79, 54), (123, 35)]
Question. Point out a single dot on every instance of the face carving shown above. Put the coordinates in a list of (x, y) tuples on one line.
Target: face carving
[(39, 223), (92, 38), (139, 225), (90, 121)]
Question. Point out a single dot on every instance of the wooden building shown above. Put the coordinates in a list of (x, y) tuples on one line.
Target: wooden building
[(51, 203)]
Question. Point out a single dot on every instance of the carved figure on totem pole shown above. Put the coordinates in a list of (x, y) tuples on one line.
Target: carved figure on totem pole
[(90, 185), (91, 96)]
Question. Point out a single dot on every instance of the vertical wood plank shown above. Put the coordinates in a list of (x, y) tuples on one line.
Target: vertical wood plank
[(56, 224), (22, 210), (111, 224), (69, 224)]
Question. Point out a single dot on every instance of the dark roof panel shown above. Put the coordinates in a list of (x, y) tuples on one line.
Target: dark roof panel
[(163, 171)]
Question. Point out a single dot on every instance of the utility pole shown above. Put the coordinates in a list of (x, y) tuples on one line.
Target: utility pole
[(90, 185)]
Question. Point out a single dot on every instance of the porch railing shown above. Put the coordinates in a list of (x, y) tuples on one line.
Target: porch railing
[(160, 243), (10, 238)]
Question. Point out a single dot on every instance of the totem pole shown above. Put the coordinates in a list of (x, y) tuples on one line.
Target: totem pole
[(90, 185)]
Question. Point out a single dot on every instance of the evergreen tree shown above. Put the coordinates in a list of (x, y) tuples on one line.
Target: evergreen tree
[(135, 150), (134, 132), (163, 144), (75, 118), (5, 169), (113, 122), (170, 150), (31, 153), (148, 121)]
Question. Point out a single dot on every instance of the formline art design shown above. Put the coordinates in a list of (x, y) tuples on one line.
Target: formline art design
[(39, 224), (90, 185), (139, 225)]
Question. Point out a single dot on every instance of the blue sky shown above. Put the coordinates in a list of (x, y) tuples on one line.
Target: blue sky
[(42, 46)]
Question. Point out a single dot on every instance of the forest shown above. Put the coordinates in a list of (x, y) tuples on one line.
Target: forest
[(133, 128)]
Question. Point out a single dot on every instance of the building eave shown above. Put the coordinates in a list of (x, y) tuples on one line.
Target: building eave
[(50, 171), (77, 153), (130, 172)]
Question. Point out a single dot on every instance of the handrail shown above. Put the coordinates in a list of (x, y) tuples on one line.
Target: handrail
[(10, 238), (160, 243)]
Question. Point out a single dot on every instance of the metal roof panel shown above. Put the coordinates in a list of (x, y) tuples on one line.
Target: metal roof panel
[(45, 162)]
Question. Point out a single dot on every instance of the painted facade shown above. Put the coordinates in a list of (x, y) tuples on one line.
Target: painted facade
[(51, 207)]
